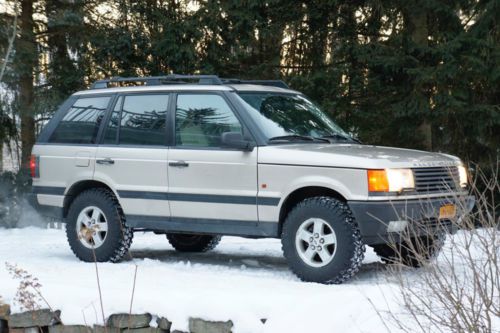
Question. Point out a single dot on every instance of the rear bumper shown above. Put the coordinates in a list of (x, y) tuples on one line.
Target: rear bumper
[(51, 212), (421, 216)]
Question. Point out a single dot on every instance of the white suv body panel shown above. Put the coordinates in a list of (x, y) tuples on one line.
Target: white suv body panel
[(283, 180), (353, 156), (149, 169), (217, 184), (62, 166)]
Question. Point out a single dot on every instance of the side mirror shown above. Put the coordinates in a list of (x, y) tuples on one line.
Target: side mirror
[(235, 140)]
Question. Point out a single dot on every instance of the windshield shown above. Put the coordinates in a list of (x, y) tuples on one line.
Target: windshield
[(288, 116)]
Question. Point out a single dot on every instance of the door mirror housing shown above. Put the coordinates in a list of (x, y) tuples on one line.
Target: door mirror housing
[(237, 141)]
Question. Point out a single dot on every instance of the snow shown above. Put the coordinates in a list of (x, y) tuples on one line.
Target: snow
[(243, 280)]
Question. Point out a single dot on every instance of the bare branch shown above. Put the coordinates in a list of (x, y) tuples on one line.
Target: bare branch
[(11, 42)]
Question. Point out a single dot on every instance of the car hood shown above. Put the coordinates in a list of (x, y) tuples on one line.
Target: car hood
[(352, 156)]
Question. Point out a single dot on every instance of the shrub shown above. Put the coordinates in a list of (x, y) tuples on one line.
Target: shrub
[(459, 290)]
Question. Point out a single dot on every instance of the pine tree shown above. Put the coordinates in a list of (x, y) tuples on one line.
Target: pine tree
[(419, 74)]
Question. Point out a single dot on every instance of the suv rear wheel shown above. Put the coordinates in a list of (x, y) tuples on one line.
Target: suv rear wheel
[(321, 241), (96, 228), (193, 242)]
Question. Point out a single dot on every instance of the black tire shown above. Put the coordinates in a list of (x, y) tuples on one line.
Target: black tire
[(406, 254), (118, 236), (349, 252), (193, 242)]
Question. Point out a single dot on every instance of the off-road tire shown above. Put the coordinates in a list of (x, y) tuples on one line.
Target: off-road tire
[(404, 253), (119, 235), (350, 248), (193, 242)]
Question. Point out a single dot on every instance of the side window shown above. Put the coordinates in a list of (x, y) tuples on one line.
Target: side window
[(81, 122), (201, 119), (138, 120)]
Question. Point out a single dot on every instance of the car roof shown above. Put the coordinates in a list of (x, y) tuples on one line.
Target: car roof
[(188, 87)]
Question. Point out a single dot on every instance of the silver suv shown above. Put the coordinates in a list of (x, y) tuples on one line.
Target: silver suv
[(198, 157)]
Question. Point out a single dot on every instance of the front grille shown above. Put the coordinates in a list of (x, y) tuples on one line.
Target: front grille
[(436, 179)]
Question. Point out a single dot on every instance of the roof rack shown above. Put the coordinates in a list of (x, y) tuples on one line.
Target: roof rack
[(272, 83), (158, 80), (181, 79)]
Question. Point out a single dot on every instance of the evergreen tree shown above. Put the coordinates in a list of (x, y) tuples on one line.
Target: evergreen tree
[(418, 74)]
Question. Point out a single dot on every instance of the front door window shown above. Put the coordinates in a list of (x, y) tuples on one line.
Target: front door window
[(200, 120)]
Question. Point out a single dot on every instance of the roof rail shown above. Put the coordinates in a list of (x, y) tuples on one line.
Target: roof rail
[(158, 80), (272, 83), (179, 79)]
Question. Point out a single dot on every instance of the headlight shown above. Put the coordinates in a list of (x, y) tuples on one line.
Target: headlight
[(462, 173), (400, 179), (390, 180)]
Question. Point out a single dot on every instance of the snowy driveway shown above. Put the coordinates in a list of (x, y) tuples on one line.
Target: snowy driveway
[(243, 280)]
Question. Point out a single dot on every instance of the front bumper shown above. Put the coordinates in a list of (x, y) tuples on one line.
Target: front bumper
[(421, 215)]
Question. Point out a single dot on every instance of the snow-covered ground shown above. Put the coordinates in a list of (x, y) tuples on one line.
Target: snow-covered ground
[(243, 280)]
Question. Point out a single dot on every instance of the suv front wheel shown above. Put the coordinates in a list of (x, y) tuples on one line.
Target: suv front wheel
[(96, 228), (321, 241)]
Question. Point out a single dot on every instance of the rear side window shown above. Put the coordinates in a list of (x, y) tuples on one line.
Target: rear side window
[(81, 122), (138, 120)]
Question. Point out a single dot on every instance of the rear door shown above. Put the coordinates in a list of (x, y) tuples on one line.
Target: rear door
[(132, 158), (210, 186)]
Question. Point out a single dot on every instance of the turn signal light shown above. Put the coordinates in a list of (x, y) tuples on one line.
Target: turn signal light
[(377, 181)]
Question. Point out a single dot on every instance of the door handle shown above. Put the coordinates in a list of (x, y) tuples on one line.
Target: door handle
[(179, 164), (105, 161)]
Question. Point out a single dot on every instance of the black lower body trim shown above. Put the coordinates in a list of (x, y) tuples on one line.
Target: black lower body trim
[(204, 226), (52, 190), (193, 197), (373, 217)]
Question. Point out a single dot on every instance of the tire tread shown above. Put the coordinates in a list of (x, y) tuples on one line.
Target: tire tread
[(340, 209), (125, 241)]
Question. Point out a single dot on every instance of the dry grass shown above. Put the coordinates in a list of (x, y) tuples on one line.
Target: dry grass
[(28, 296)]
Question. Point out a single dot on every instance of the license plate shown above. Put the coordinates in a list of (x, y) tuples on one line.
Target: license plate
[(447, 211)]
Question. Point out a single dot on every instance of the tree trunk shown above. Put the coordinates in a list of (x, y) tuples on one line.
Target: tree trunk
[(1, 156), (26, 58), (417, 20), (318, 14)]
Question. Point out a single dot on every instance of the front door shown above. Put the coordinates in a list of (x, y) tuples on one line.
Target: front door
[(209, 184)]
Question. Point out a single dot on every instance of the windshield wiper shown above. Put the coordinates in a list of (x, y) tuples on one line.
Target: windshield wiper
[(295, 137), (338, 136)]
